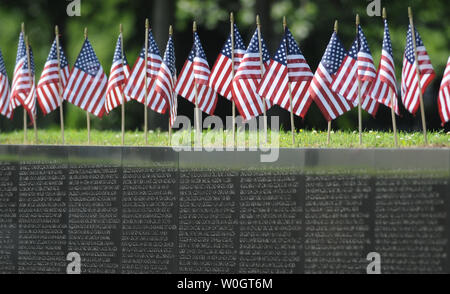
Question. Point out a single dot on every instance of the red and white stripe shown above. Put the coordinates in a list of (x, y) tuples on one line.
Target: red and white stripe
[(23, 91), (276, 83), (5, 107), (165, 86), (21, 84), (410, 84), (30, 101), (367, 103), (298, 68), (385, 86), (135, 87), (187, 86), (245, 86), (86, 91), (444, 96), (346, 84), (366, 68), (116, 84), (329, 102), (49, 89), (201, 71), (221, 75)]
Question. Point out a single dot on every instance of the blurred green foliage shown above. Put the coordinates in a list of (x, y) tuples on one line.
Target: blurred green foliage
[(311, 22)]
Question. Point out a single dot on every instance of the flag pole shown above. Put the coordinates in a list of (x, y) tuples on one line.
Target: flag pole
[(336, 26), (123, 96), (422, 109), (258, 25), (25, 135), (394, 120), (233, 105), (145, 81), (61, 113), (391, 95), (197, 114), (27, 46), (359, 86), (88, 118), (290, 90), (171, 93)]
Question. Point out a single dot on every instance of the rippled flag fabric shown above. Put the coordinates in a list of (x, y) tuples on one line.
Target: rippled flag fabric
[(222, 74), (50, 87), (247, 79), (288, 71), (5, 107), (444, 96), (23, 89), (357, 65), (384, 88), (194, 77), (87, 83), (167, 77), (410, 80), (135, 87), (118, 76), (331, 103)]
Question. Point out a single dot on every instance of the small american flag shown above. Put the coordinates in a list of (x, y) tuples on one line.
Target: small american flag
[(385, 81), (135, 87), (366, 68), (5, 107), (444, 96), (120, 72), (165, 83), (195, 73), (330, 103), (288, 66), (87, 83), (247, 79), (23, 90), (49, 87), (221, 76), (410, 85), (345, 81)]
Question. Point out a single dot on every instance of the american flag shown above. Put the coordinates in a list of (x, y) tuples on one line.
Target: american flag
[(352, 69), (120, 72), (5, 107), (23, 90), (385, 81), (247, 78), (288, 66), (195, 73), (444, 96), (165, 83), (135, 87), (410, 86), (49, 87), (366, 68), (87, 83), (221, 75), (330, 103)]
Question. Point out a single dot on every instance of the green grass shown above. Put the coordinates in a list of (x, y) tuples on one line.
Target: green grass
[(311, 139)]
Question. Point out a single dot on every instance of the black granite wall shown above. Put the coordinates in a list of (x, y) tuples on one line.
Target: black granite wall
[(154, 210)]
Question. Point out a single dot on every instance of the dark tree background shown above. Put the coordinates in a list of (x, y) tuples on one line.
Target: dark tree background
[(310, 21)]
